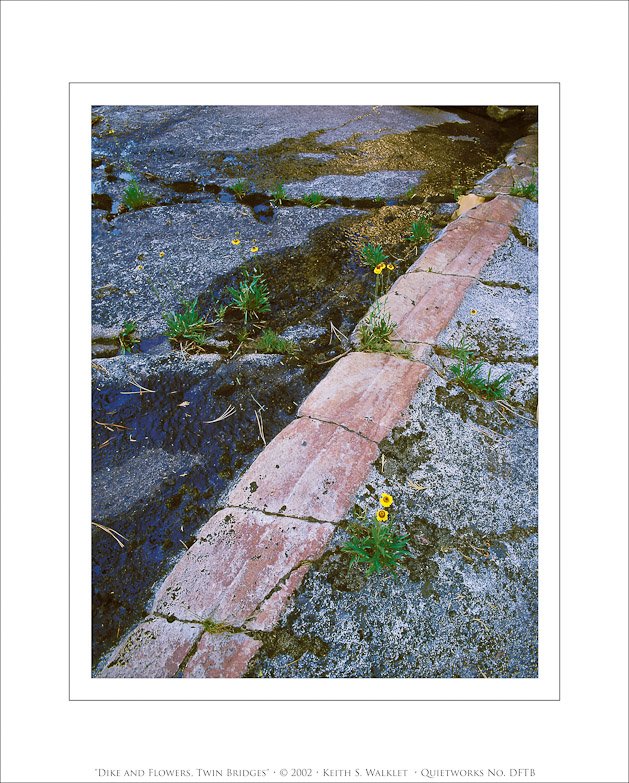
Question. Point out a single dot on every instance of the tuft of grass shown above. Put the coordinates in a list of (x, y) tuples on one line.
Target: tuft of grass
[(457, 190), (372, 255), (468, 375), (410, 193), (313, 200), (240, 188), (374, 334), (527, 191), (135, 198), (128, 343), (420, 231), (462, 351), (375, 331), (278, 194), (189, 325), (270, 342), (252, 295)]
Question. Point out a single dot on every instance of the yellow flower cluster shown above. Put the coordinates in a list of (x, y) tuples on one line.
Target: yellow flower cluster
[(385, 500)]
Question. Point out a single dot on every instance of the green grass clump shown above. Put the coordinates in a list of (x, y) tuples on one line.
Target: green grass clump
[(372, 255), (252, 295), (270, 342), (527, 191), (135, 198), (240, 188), (411, 193), (462, 351), (313, 200), (278, 194), (468, 375), (128, 343), (189, 325), (375, 331), (420, 231)]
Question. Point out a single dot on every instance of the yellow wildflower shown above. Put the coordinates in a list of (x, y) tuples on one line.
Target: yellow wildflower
[(473, 312), (385, 500), (382, 515), (390, 266), (254, 249), (161, 255), (378, 269)]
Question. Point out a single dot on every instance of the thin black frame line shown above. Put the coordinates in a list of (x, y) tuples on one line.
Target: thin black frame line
[(70, 699), (295, 83), (559, 380)]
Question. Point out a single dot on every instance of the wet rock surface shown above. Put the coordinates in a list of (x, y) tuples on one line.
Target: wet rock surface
[(161, 460)]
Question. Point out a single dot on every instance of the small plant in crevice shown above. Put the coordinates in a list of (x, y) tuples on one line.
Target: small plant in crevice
[(278, 194), (252, 295), (457, 190), (372, 255), (128, 343), (240, 188), (270, 342), (376, 544), (313, 200), (420, 231), (411, 193), (529, 191), (135, 198), (462, 350), (375, 331), (188, 325), (209, 625), (468, 376)]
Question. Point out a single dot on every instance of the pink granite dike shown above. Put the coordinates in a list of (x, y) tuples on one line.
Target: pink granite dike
[(251, 555)]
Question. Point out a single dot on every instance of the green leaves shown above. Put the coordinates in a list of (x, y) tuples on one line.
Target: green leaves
[(252, 295), (313, 200), (128, 343), (379, 547), (372, 255), (468, 376), (420, 231), (135, 198), (188, 325)]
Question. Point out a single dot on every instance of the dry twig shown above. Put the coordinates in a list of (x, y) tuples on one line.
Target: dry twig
[(113, 533)]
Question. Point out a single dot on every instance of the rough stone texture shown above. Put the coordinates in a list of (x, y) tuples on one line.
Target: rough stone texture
[(434, 310), (502, 209), (365, 392), (413, 286), (311, 469), (117, 489), (465, 247), (386, 184), (524, 151), (498, 181), (271, 609), (239, 557), (221, 655), (155, 648)]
